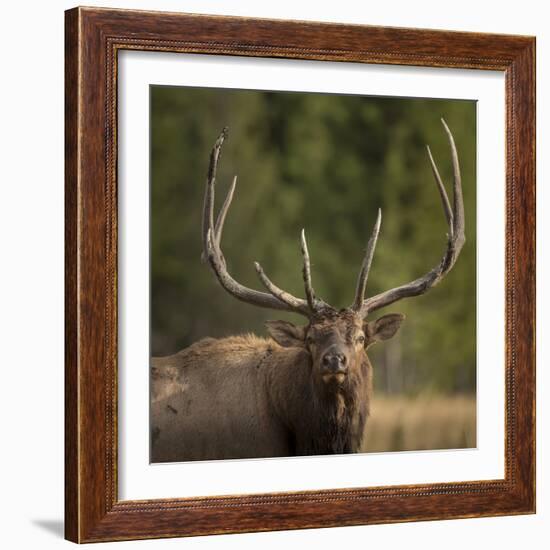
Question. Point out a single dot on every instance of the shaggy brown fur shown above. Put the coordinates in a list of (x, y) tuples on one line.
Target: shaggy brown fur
[(245, 396)]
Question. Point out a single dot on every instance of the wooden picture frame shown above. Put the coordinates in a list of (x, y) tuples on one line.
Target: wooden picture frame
[(93, 511)]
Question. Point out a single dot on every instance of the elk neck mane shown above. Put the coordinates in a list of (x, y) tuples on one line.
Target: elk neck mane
[(319, 421)]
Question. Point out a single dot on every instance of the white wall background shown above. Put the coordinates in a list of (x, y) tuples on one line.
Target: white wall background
[(31, 271)]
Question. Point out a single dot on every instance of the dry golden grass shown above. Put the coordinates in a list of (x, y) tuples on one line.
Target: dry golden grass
[(420, 423)]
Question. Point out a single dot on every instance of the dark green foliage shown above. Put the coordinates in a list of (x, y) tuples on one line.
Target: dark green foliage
[(326, 163)]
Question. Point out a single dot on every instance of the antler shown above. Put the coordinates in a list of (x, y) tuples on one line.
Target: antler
[(455, 241), (276, 298)]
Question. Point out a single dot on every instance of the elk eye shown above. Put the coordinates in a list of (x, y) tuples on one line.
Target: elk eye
[(361, 339)]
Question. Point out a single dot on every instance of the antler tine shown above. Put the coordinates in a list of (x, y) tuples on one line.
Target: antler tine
[(306, 272), (444, 197), (458, 210), (233, 287), (313, 302), (212, 234), (209, 195), (279, 293), (455, 240), (223, 212), (365, 267)]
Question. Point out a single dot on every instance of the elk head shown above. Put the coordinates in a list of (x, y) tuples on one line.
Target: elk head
[(336, 339)]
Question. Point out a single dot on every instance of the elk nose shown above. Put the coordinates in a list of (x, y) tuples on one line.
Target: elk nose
[(334, 362)]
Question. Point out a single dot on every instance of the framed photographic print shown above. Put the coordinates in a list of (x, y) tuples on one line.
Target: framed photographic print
[(300, 275)]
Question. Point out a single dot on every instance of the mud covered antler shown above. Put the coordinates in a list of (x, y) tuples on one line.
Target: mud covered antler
[(455, 242), (275, 298)]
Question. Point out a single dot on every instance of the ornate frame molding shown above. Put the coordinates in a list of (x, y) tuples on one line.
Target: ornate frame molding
[(93, 38)]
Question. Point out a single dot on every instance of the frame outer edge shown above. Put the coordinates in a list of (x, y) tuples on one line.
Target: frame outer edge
[(524, 68), (89, 512), (72, 448)]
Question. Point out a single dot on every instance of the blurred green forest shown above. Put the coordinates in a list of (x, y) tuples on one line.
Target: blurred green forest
[(326, 163)]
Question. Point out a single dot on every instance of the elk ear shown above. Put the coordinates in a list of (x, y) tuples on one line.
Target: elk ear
[(286, 334), (383, 328)]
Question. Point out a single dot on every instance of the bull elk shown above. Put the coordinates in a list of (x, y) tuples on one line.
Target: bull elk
[(304, 390)]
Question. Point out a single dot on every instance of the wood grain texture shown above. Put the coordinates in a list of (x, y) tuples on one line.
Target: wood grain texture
[(71, 271), (93, 38)]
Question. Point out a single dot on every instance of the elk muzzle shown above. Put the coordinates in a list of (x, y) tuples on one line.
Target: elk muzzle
[(334, 365)]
